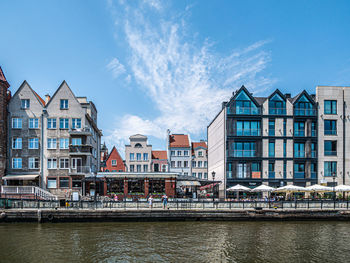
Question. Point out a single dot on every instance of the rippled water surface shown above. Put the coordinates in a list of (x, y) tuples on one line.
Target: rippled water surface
[(176, 242)]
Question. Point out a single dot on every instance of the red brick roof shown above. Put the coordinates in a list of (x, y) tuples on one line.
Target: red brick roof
[(41, 100), (160, 155), (178, 140), (2, 77), (199, 144)]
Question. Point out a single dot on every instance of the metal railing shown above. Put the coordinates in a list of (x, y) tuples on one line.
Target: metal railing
[(80, 149), (277, 111), (305, 112), (80, 170), (330, 153), (247, 132), (299, 133), (27, 190), (330, 132), (244, 153)]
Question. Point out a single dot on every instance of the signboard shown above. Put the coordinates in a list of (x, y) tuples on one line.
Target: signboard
[(75, 196), (256, 175)]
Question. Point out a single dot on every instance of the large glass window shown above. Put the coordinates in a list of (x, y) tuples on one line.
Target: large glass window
[(271, 127), (17, 163), (157, 186), (277, 105), (64, 123), (33, 143), (271, 170), (242, 170), (330, 168), (244, 149), (256, 170), (76, 123), (16, 123), (17, 143), (313, 129), (248, 128), (33, 123), (299, 129), (330, 148), (271, 148), (136, 186), (299, 170), (313, 169), (330, 127), (330, 107), (64, 143), (304, 107), (244, 105), (299, 150), (51, 123), (284, 148)]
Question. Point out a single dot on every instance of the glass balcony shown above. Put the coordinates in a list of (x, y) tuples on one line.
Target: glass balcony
[(277, 111), (313, 133), (244, 153), (271, 175), (330, 132), (299, 133), (247, 110), (299, 175), (229, 174), (313, 175), (330, 153), (299, 154), (248, 132), (305, 112)]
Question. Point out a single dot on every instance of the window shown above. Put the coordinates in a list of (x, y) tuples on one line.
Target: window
[(179, 164), (299, 150), (76, 141), (205, 175), (172, 164), (145, 156), (330, 127), (172, 153), (178, 153), (25, 104), (299, 129), (132, 156), (186, 173), (16, 123), (313, 171), (138, 156), (194, 174), (33, 163), (248, 128), (185, 153), (271, 170), (17, 163), (145, 168), (114, 162), (200, 153), (33, 123), (64, 104), (242, 170), (51, 143), (51, 123), (64, 182), (284, 148), (244, 104), (64, 123), (76, 123), (199, 164), (16, 143), (138, 167), (200, 175), (271, 127), (51, 163), (313, 129), (205, 163), (330, 107), (313, 150), (76, 183), (284, 127), (330, 148), (186, 164), (256, 171), (64, 143), (299, 170), (330, 168), (33, 143), (193, 164), (284, 169), (132, 168), (304, 107), (244, 149), (64, 163), (271, 148), (51, 183), (277, 105)]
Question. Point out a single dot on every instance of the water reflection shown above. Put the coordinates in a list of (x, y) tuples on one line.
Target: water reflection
[(176, 242)]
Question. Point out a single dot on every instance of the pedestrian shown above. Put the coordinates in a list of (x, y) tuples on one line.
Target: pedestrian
[(150, 201), (115, 198), (165, 201)]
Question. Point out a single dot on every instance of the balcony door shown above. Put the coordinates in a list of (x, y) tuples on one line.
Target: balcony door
[(77, 164)]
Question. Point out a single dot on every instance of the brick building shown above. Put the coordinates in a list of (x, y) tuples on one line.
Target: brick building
[(159, 161), (114, 162), (4, 96)]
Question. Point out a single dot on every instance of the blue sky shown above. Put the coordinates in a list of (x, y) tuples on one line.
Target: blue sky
[(155, 65)]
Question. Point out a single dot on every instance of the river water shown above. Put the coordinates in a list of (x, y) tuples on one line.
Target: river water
[(307, 241)]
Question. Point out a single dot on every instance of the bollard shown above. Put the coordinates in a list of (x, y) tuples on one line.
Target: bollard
[(39, 216)]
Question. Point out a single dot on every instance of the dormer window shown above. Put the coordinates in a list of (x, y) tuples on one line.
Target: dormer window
[(114, 162), (64, 104), (138, 145), (277, 105), (25, 104)]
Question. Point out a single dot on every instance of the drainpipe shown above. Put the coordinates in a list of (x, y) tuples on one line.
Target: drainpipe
[(42, 152), (344, 118)]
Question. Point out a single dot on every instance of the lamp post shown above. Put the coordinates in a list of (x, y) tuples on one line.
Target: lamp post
[(213, 175), (334, 175)]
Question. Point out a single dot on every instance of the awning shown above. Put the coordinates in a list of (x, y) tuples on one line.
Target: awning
[(207, 186), (188, 183), (21, 177)]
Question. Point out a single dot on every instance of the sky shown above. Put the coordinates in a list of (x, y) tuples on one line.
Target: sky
[(155, 65)]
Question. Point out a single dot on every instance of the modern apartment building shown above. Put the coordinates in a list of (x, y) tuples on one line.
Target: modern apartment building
[(179, 153), (56, 140), (138, 154), (334, 136), (270, 140), (4, 97), (199, 160)]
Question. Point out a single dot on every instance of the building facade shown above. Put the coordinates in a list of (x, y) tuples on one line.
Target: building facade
[(114, 162), (179, 153), (56, 140), (270, 140), (160, 161), (138, 154), (4, 97), (199, 160)]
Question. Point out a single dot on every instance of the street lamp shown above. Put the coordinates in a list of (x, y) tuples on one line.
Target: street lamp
[(334, 175), (213, 175)]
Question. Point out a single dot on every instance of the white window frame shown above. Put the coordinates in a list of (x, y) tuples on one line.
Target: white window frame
[(65, 143), (16, 123), (50, 162), (18, 161), (52, 123), (65, 162), (185, 153), (17, 143), (51, 142), (77, 141), (64, 104), (33, 123), (179, 153), (76, 121), (114, 162), (48, 184), (35, 143), (65, 122), (25, 104), (32, 161)]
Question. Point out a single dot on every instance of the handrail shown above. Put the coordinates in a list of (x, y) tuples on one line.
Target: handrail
[(9, 189)]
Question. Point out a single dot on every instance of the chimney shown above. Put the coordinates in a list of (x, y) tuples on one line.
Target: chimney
[(47, 98), (313, 96), (287, 95)]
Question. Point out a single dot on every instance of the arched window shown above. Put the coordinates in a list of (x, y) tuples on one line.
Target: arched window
[(138, 145)]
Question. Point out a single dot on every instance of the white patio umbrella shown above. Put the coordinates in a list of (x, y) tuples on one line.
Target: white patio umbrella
[(238, 188), (341, 188), (263, 188), (318, 188), (290, 188)]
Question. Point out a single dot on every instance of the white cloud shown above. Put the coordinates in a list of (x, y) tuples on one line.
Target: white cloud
[(187, 82), (115, 67)]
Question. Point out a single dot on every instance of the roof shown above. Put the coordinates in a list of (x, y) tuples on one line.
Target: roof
[(2, 77), (40, 98), (138, 136), (178, 140), (160, 155), (199, 144)]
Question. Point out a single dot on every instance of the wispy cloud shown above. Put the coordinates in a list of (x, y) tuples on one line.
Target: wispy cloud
[(185, 80), (116, 67)]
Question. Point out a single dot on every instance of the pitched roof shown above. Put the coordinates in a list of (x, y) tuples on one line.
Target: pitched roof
[(2, 77), (178, 140), (40, 98), (199, 144), (160, 155)]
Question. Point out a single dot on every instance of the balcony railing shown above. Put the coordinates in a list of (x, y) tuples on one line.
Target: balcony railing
[(247, 110), (229, 174), (271, 175), (80, 149), (313, 133), (299, 154), (28, 190), (244, 153), (313, 175), (80, 170), (330, 132), (80, 131), (277, 111), (299, 133), (299, 175), (305, 112), (247, 132), (330, 153)]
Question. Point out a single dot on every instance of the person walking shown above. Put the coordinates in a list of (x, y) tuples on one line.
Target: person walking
[(165, 201), (150, 201)]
